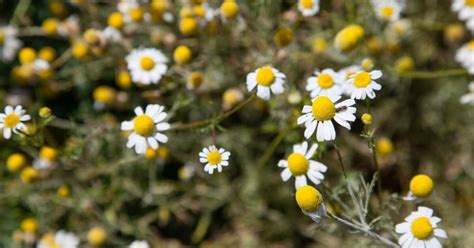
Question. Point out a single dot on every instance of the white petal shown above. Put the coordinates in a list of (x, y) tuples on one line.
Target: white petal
[(300, 181), (285, 174)]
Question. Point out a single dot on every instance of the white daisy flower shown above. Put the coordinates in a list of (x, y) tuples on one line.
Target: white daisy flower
[(147, 127), (48, 157), (326, 82), (147, 66), (421, 187), (12, 120), (214, 158), (266, 78), (469, 97), (60, 239), (420, 230), (308, 7), (362, 84), (465, 56), (388, 10), (112, 34), (139, 244), (300, 165), (321, 112), (310, 200), (9, 44), (464, 8)]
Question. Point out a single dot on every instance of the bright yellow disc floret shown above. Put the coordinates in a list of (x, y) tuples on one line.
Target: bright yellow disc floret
[(97, 236), (229, 8), (307, 4), (115, 20), (323, 108), (308, 198), (362, 79), (147, 63), (469, 3), (27, 55), (265, 76), (325, 81), (29, 225), (11, 120), (182, 54), (104, 94), (421, 228), (214, 157), (298, 164), (421, 186), (386, 12), (144, 125), (50, 26), (16, 161)]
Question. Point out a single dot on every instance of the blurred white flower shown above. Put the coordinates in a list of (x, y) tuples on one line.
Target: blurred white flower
[(147, 66), (9, 44)]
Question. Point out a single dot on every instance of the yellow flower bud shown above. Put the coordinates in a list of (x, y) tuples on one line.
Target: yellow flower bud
[(283, 37), (366, 119), (44, 112), (97, 236), (182, 55), (348, 37), (16, 161)]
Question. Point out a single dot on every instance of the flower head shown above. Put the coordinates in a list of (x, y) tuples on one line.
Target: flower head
[(147, 66), (325, 82), (421, 186), (308, 7), (299, 165), (214, 158), (362, 84), (320, 114), (59, 239), (12, 120), (465, 56), (310, 200), (267, 79), (420, 229), (388, 10), (146, 127)]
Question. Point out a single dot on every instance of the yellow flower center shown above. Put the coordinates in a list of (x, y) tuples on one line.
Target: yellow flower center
[(229, 8), (182, 54), (297, 164), (387, 11), (11, 120), (147, 63), (323, 109), (144, 125), (470, 3), (188, 26), (48, 153), (104, 94), (16, 161), (470, 45), (27, 55), (214, 158), (2, 38), (325, 81), (56, 246), (307, 4), (265, 76), (115, 20), (308, 198), (136, 14), (362, 79), (421, 186), (421, 228)]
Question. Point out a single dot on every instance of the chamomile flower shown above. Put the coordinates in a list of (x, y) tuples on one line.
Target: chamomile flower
[(300, 165), (9, 44), (388, 10), (267, 79), (131, 11), (310, 200), (308, 7), (147, 66), (421, 187), (362, 84), (325, 82), (464, 8), (469, 97), (12, 120), (139, 244), (146, 127), (321, 113), (59, 239), (48, 157), (420, 229), (214, 158), (465, 56)]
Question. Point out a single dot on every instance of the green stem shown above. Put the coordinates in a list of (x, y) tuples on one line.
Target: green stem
[(213, 120), (340, 160), (20, 11), (433, 74)]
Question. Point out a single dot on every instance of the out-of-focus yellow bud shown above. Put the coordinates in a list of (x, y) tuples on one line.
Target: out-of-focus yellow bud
[(47, 53), (16, 161), (383, 146), (123, 79), (44, 112), (374, 45), (319, 45), (29, 175), (182, 55), (194, 80), (80, 50), (27, 55), (63, 191), (57, 8), (349, 37), (367, 64), (105, 95), (229, 9), (29, 225), (283, 37), (50, 26), (188, 26), (115, 20), (366, 118), (136, 14), (48, 153), (454, 32), (405, 64), (97, 236), (231, 97)]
